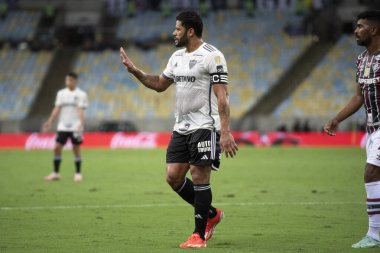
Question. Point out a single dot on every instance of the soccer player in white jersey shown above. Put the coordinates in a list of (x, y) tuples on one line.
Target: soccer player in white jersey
[(201, 131), (70, 104), (367, 34)]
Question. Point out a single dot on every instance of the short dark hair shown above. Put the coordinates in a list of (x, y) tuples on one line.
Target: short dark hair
[(191, 19), (72, 74), (371, 15)]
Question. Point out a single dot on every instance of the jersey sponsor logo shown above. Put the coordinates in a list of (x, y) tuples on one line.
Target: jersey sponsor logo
[(192, 63), (369, 80), (204, 146), (189, 79)]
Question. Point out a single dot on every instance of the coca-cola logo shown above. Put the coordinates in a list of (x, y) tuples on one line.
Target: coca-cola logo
[(140, 140), (36, 141)]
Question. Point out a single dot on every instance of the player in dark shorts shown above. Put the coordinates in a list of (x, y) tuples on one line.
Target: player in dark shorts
[(201, 131), (69, 105), (367, 34)]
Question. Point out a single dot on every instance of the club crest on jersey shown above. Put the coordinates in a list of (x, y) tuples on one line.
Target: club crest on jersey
[(192, 63)]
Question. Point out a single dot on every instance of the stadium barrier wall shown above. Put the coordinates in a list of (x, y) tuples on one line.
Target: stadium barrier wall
[(121, 140)]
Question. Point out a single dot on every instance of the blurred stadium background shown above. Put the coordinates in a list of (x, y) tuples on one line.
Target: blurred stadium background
[(291, 62)]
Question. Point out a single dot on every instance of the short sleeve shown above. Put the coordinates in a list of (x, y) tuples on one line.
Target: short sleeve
[(168, 72), (83, 101), (58, 99), (217, 67)]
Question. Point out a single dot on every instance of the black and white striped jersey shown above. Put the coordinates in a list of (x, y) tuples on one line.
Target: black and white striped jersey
[(193, 75)]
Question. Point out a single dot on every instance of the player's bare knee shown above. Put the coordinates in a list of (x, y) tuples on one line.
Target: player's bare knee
[(57, 149), (372, 173), (174, 181)]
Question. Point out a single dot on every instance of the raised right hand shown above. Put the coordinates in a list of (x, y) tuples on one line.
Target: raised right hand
[(125, 60)]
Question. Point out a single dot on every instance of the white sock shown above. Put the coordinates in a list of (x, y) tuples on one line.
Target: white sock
[(373, 209)]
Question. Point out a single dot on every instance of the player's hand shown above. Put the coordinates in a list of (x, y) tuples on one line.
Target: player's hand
[(46, 127), (126, 61), (330, 127), (227, 144)]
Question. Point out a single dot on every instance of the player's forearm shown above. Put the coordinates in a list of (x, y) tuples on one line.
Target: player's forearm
[(224, 114), (149, 81), (81, 116), (353, 106), (53, 114)]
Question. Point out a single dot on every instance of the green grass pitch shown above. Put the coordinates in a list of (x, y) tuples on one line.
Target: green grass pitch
[(275, 200)]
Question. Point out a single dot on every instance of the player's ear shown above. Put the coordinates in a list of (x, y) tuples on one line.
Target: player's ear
[(375, 29), (190, 32)]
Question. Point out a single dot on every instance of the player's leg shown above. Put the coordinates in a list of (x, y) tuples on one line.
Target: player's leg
[(203, 152), (202, 203), (177, 158), (76, 140), (61, 140), (202, 197), (372, 186)]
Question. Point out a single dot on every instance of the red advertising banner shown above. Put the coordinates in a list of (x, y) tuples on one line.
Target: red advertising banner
[(117, 140)]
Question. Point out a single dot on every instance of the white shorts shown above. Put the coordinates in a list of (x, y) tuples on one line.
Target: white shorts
[(373, 148)]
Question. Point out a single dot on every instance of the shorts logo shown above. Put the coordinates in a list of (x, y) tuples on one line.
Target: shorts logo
[(204, 157), (204, 146)]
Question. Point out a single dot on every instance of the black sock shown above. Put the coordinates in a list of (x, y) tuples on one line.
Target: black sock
[(78, 162), (212, 212), (186, 192), (202, 203), (57, 162)]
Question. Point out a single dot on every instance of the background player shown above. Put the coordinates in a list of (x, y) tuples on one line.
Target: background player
[(199, 72), (367, 34), (69, 105)]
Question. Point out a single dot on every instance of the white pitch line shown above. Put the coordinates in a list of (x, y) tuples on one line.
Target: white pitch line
[(32, 208)]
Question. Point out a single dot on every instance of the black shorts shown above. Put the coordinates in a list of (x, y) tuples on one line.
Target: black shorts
[(75, 137), (198, 148)]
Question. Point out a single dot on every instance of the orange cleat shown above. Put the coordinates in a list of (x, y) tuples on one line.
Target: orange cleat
[(194, 241), (211, 224)]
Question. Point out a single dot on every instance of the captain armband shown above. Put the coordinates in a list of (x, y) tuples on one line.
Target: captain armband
[(221, 78)]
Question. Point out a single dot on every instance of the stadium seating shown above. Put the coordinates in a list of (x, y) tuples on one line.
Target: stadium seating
[(328, 88), (257, 52), (116, 95), (19, 25), (21, 75)]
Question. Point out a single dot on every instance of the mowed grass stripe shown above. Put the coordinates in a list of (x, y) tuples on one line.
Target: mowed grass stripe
[(31, 208)]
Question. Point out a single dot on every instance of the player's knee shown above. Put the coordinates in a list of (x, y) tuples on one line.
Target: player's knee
[(372, 173), (57, 149), (174, 181)]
